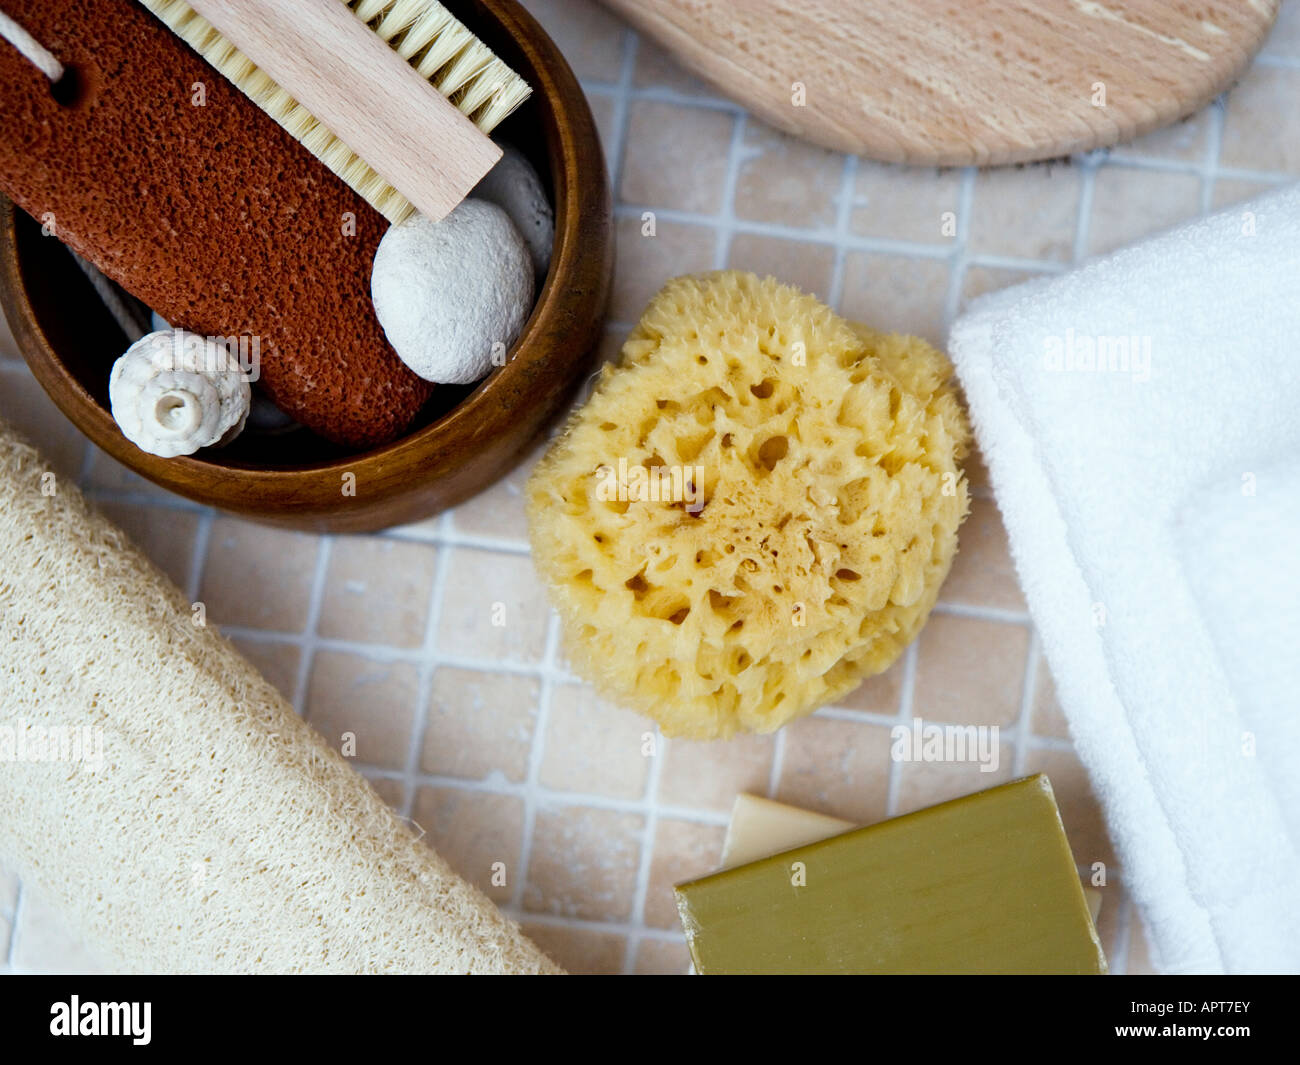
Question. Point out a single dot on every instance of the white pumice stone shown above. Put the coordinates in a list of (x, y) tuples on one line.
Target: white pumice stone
[(451, 294), (513, 185), (173, 392)]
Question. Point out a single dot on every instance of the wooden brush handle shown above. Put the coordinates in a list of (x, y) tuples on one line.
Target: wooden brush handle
[(366, 94)]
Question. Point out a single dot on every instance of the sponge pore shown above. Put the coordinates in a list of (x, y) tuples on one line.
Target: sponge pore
[(753, 511)]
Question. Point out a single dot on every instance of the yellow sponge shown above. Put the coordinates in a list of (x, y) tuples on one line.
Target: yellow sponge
[(755, 509)]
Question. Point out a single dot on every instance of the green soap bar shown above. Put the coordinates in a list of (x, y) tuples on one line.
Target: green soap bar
[(982, 884)]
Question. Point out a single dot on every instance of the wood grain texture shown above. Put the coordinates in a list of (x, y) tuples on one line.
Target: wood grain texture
[(69, 340), (960, 82), (364, 93)]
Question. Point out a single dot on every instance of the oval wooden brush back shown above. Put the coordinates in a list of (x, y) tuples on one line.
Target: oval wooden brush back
[(959, 82)]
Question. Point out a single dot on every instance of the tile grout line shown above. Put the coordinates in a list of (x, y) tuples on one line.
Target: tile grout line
[(585, 924), (724, 223), (843, 215), (1213, 150), (959, 262), (827, 237), (307, 655), (425, 674), (642, 890), (906, 705), (383, 652), (1028, 688), (1124, 934), (199, 560), (650, 794), (536, 752), (622, 106), (1087, 191), (20, 900)]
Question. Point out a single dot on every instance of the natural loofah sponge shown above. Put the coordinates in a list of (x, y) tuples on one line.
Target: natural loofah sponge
[(802, 512), (213, 830)]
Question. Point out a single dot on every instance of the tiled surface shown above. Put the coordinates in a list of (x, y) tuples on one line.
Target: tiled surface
[(433, 648)]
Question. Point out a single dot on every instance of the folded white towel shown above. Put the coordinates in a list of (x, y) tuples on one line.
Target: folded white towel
[(1140, 418)]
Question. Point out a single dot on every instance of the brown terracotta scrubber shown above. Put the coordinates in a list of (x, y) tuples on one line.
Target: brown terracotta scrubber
[(211, 214)]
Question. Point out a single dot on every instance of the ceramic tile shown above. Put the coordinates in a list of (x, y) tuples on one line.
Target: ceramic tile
[(108, 475), (786, 181), (709, 776), (917, 204), (1048, 718), (393, 792), (166, 536), (43, 942), (1261, 127), (595, 747), (498, 513), (803, 264), (377, 591), (493, 609), (1080, 812), (650, 252), (879, 694), (836, 767), (897, 294), (1284, 41), (26, 407), (364, 708), (969, 671), (1184, 141), (656, 69), (258, 577), (276, 661), (1228, 191), (1129, 204), (683, 850), (675, 157), (479, 724), (663, 957), (579, 951), (479, 834), (980, 280), (1026, 212), (604, 110), (982, 573), (584, 863), (922, 784), (589, 36)]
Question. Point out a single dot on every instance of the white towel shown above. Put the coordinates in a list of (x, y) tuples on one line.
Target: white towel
[(1154, 516)]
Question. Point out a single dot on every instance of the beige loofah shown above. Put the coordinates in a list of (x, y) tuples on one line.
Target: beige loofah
[(219, 833), (825, 458)]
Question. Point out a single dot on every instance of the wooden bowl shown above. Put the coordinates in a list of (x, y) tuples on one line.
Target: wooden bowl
[(466, 437)]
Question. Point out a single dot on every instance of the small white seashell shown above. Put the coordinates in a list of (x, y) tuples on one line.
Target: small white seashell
[(173, 392)]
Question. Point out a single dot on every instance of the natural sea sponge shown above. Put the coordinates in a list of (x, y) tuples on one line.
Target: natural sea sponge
[(755, 509)]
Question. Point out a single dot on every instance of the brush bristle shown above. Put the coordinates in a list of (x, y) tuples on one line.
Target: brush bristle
[(423, 32)]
